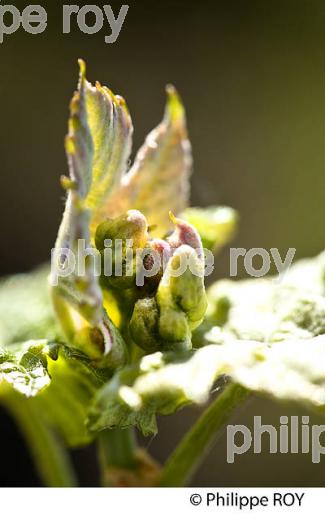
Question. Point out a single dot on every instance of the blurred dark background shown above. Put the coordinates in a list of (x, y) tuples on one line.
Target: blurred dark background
[(252, 77)]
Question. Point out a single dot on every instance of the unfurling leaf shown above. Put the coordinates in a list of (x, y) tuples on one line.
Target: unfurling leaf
[(77, 297), (158, 182), (111, 130)]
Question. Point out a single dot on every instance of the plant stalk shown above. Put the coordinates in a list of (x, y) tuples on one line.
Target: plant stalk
[(49, 455), (198, 441), (116, 449)]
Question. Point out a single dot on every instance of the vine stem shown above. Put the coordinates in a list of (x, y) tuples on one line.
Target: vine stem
[(116, 449), (197, 442), (49, 455)]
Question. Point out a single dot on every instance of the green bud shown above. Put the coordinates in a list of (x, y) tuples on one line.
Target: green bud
[(174, 329), (152, 330), (130, 226), (144, 324), (166, 322), (186, 291), (125, 235)]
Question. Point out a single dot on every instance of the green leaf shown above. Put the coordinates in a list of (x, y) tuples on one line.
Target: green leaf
[(64, 403), (270, 339), (268, 309), (24, 368), (158, 384), (28, 368), (60, 381), (291, 370), (25, 308), (287, 318)]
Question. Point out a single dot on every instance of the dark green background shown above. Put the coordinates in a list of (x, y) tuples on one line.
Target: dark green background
[(252, 77)]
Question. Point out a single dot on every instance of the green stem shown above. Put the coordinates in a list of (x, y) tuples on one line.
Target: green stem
[(197, 442), (49, 455), (116, 449)]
